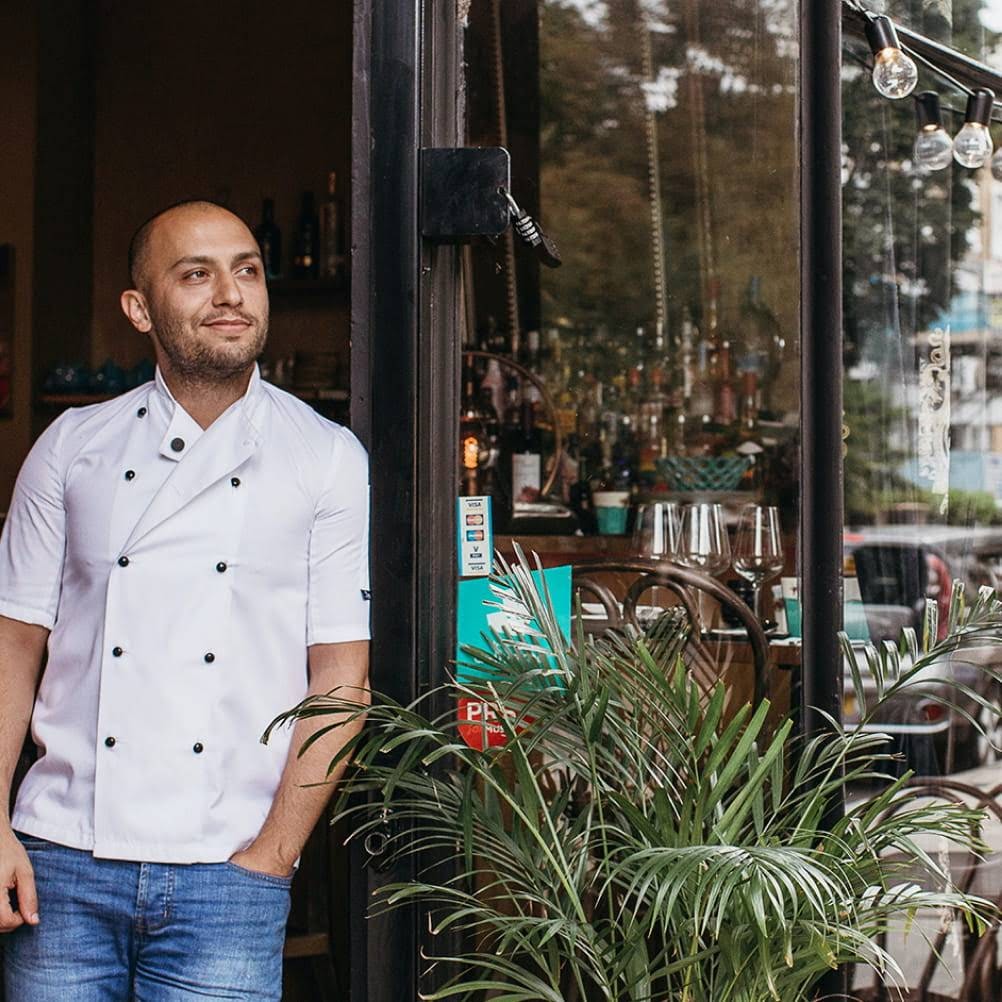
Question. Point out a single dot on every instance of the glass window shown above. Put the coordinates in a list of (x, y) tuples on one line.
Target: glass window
[(923, 397), (656, 144)]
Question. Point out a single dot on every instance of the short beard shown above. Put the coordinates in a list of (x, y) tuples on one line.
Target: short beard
[(197, 363)]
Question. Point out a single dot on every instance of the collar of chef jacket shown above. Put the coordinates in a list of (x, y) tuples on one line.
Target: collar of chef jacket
[(234, 437)]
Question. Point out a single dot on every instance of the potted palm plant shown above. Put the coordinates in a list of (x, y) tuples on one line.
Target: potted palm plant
[(637, 839)]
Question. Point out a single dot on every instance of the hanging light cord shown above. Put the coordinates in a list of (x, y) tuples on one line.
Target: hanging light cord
[(959, 112), (931, 65)]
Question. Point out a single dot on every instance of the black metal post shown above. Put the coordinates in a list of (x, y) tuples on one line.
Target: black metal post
[(821, 503), (384, 382), (821, 359)]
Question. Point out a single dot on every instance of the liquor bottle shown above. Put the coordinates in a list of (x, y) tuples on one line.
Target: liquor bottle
[(749, 405), (688, 358), (527, 458), (651, 432), (530, 357), (725, 399), (700, 387), (765, 346), (580, 498), (330, 231), (305, 261), (473, 444), (493, 383), (269, 239)]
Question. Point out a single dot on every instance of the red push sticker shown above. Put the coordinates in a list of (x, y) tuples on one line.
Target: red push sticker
[(480, 726)]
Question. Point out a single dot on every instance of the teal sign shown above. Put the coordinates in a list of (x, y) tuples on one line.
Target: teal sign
[(478, 613)]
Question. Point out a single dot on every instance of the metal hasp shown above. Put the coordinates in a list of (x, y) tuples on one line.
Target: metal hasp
[(462, 193)]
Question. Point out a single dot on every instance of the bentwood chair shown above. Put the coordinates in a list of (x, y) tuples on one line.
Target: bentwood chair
[(980, 980), (618, 586)]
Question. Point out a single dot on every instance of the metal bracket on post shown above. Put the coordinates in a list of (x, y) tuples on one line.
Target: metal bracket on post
[(462, 193)]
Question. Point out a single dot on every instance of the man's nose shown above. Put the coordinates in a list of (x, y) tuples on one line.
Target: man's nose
[(227, 291)]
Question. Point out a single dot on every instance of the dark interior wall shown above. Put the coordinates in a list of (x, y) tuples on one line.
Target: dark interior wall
[(18, 52), (228, 100)]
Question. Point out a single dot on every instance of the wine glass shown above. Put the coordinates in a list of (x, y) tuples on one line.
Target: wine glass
[(658, 530), (758, 547), (703, 544)]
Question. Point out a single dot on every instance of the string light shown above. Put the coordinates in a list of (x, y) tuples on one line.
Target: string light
[(973, 145), (894, 74), (933, 147)]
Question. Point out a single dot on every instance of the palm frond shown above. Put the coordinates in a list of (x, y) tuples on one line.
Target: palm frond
[(637, 839)]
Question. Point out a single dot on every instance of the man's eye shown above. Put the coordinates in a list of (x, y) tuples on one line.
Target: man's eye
[(197, 273), (248, 269)]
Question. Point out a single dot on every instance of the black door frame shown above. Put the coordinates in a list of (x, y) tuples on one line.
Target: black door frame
[(404, 376)]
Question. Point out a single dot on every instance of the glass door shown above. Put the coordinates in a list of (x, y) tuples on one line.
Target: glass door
[(923, 438), (659, 367)]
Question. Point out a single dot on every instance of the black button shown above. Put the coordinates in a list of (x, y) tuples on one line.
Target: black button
[(209, 658), (123, 561), (117, 651), (109, 742), (220, 567), (141, 412), (198, 748), (177, 444), (130, 474), (235, 481)]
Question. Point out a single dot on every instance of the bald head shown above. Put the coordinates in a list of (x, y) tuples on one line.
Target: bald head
[(142, 239)]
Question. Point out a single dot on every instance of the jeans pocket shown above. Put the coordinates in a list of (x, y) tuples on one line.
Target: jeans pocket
[(258, 876)]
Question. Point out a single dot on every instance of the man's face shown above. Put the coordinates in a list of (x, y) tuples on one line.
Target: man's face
[(205, 294)]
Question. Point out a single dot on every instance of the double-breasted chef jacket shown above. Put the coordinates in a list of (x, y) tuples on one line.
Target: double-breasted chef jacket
[(183, 574)]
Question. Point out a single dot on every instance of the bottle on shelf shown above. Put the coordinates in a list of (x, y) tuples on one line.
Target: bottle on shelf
[(580, 494), (530, 351), (305, 260), (763, 340), (526, 453), (725, 399), (493, 383), (688, 358), (332, 246), (473, 444), (749, 401), (652, 434), (700, 378), (269, 239)]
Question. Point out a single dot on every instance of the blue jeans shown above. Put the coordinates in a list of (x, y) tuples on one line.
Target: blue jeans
[(114, 931)]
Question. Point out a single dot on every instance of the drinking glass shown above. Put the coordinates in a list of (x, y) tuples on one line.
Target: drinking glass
[(758, 547), (703, 544), (658, 530)]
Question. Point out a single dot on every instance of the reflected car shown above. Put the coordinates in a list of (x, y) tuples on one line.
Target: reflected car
[(899, 568)]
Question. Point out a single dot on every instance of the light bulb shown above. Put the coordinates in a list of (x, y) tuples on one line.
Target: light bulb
[(973, 145), (933, 149), (894, 73)]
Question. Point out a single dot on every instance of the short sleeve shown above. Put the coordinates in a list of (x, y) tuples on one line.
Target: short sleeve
[(338, 604), (33, 544)]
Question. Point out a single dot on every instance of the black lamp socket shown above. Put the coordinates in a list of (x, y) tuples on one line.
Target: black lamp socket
[(979, 106), (927, 110), (880, 34)]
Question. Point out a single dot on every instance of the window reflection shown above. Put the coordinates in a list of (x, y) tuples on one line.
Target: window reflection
[(655, 141)]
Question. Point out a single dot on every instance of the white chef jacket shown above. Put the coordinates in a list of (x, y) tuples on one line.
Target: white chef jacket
[(183, 574)]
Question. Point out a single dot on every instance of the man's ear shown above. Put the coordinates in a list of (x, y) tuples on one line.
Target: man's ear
[(134, 307)]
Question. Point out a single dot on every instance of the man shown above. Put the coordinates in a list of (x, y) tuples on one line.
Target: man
[(193, 557)]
